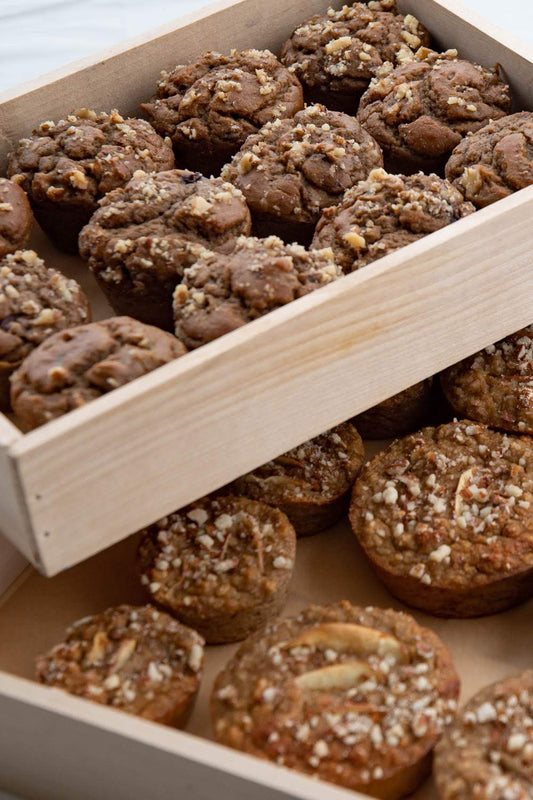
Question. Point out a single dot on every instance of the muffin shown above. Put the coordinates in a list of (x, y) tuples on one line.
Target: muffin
[(77, 365), (66, 167), (420, 111), (146, 233), (358, 697), (310, 484), (135, 659), (495, 386), (219, 293), (221, 565), (488, 751), (398, 415), (294, 168), (35, 302), (494, 162), (15, 218), (335, 55), (208, 108), (445, 517), (386, 212)]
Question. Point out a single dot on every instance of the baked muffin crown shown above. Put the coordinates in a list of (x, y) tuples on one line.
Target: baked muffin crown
[(15, 217)]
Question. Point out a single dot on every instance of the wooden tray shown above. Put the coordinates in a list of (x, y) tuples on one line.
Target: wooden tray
[(87, 480)]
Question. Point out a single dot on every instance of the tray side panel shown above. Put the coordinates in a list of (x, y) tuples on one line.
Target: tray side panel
[(105, 470), (14, 521), (56, 747)]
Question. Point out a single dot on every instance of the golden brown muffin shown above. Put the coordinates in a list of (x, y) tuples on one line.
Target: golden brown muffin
[(358, 697), (221, 565), (15, 218), (446, 518), (398, 415), (135, 659), (66, 167)]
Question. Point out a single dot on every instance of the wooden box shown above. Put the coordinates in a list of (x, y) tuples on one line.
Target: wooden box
[(86, 481)]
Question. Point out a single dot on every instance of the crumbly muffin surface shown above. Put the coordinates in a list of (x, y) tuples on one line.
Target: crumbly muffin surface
[(386, 212), (487, 752), (222, 292), (136, 659), (495, 386), (421, 110), (293, 168), (494, 162), (15, 218), (348, 694), (449, 507), (35, 302)]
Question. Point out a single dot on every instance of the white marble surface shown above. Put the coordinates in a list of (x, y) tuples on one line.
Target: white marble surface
[(37, 36)]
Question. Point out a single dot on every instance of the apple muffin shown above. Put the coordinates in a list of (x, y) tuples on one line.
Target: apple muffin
[(335, 55), (445, 517), (495, 161), (294, 168), (385, 212), (15, 218), (209, 107), (66, 167), (35, 302), (135, 659), (221, 565), (420, 111), (78, 365), (146, 233), (358, 697), (311, 484), (495, 386), (398, 415)]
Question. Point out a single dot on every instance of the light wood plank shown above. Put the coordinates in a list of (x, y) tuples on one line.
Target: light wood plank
[(14, 521), (103, 471)]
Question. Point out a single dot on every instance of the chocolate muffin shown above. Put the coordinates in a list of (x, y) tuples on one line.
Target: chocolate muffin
[(420, 111), (221, 565), (312, 482), (135, 659), (495, 386), (15, 218), (495, 161), (358, 697), (446, 518), (146, 233), (65, 167), (487, 753), (294, 168), (386, 212), (335, 55), (77, 365), (398, 415), (219, 293), (208, 108), (35, 302)]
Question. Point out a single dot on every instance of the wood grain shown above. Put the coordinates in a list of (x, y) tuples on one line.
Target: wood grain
[(14, 520)]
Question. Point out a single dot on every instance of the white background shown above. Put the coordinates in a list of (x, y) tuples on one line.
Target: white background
[(37, 36)]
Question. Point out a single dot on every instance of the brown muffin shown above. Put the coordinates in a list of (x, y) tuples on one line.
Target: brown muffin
[(358, 697), (386, 212), (495, 386), (335, 55), (66, 167), (421, 110), (294, 168), (77, 365), (221, 292), (35, 302), (398, 415), (208, 108), (487, 753), (15, 218), (135, 659), (446, 518), (312, 482), (221, 565), (144, 234), (494, 162)]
